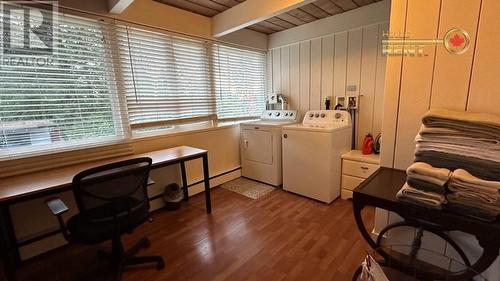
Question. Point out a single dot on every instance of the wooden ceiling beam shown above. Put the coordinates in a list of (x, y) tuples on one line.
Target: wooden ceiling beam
[(250, 12)]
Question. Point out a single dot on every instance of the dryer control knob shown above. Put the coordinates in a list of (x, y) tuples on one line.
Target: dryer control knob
[(338, 115), (311, 115), (277, 114), (323, 115), (317, 115), (269, 113)]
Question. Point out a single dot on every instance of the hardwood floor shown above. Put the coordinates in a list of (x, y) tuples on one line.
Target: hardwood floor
[(280, 237)]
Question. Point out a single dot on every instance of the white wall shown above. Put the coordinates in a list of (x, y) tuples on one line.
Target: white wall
[(466, 82), (315, 68)]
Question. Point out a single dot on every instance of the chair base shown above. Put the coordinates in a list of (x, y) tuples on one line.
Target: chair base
[(121, 259)]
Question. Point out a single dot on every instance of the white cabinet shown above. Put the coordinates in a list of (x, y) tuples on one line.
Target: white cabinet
[(356, 167)]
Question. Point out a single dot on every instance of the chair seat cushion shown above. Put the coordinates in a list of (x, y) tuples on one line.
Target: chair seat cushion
[(85, 228)]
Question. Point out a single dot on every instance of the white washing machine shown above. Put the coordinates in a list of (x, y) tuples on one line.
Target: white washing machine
[(312, 154), (261, 146)]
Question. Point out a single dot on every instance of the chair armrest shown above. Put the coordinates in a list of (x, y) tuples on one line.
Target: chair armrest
[(56, 206)]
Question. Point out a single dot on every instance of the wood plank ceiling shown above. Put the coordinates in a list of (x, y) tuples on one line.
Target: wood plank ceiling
[(314, 11)]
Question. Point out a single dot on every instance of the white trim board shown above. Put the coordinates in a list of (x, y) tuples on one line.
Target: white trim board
[(367, 15)]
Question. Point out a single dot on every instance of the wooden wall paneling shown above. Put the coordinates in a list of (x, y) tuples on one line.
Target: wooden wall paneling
[(285, 71), (294, 76), (316, 61), (298, 13), (291, 19), (379, 82), (305, 75), (327, 54), (345, 5), (340, 64), (315, 11), (416, 79), (270, 75), (452, 72), (391, 87), (328, 6), (484, 94), (367, 83), (276, 70), (354, 46)]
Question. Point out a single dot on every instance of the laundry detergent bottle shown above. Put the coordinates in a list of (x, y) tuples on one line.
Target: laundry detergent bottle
[(368, 144)]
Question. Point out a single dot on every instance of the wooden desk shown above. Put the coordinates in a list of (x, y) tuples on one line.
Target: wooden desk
[(35, 185), (380, 189)]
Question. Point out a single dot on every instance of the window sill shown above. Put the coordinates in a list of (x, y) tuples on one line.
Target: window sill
[(185, 130)]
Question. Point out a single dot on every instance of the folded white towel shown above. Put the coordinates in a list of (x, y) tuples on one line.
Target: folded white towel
[(408, 193), (465, 178), (425, 172)]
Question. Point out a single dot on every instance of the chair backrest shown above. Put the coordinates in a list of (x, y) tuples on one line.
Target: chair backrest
[(114, 191)]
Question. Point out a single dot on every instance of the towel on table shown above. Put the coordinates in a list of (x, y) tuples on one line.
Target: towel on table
[(484, 169), (425, 186), (473, 123), (456, 136), (471, 207), (462, 182), (420, 197), (461, 150), (425, 172)]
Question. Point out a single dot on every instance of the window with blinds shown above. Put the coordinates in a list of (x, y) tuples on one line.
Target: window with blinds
[(64, 99), (103, 80), (240, 81), (166, 78)]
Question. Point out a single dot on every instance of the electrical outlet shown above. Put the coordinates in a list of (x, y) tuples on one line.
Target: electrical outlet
[(352, 102)]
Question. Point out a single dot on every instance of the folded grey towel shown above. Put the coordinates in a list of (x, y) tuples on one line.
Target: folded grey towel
[(483, 169), (422, 198), (456, 136), (425, 172), (425, 186), (463, 150), (470, 207), (472, 123)]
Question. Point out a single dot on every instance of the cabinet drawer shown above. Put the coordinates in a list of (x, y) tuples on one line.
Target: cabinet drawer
[(358, 169), (350, 183)]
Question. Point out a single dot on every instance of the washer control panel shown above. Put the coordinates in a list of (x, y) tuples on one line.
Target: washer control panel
[(324, 117), (279, 115)]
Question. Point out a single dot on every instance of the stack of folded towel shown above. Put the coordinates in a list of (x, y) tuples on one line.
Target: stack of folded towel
[(467, 144), (425, 185), (461, 140), (474, 196)]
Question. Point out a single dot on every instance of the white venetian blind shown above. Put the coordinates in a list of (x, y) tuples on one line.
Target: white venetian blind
[(166, 78), (61, 100), (240, 81)]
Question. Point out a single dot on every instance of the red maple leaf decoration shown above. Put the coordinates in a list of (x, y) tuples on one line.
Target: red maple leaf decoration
[(456, 40)]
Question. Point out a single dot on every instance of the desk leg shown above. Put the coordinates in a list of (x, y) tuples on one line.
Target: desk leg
[(206, 179), (184, 181), (10, 252)]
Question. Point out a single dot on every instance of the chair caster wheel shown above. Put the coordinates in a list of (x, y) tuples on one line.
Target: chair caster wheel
[(160, 265)]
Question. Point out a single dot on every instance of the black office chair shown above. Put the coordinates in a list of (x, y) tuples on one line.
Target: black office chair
[(112, 200)]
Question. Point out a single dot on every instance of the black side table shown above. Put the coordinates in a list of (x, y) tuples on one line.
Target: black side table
[(380, 189)]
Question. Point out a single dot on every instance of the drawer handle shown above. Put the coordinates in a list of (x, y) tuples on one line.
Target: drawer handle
[(364, 168)]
